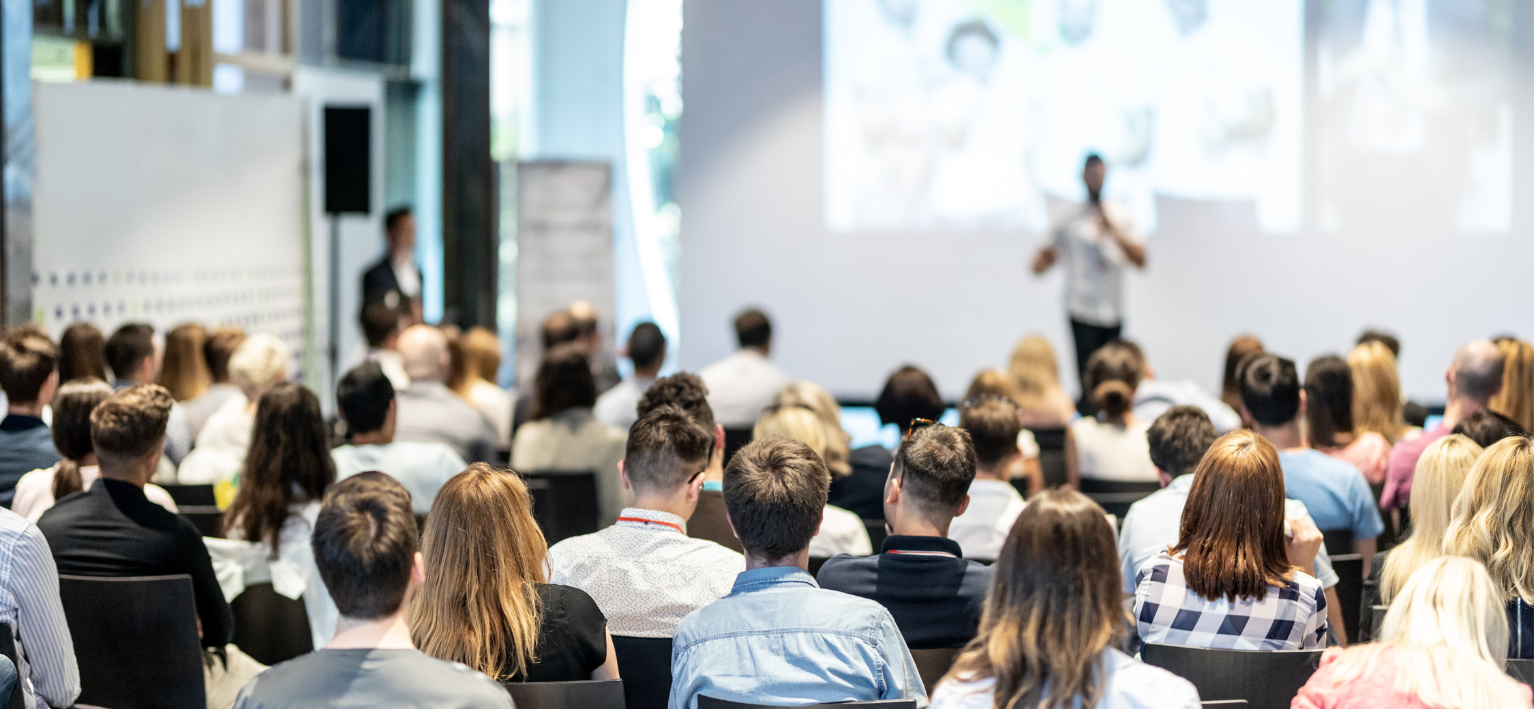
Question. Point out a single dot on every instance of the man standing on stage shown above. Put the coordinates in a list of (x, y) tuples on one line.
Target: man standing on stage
[(1095, 241)]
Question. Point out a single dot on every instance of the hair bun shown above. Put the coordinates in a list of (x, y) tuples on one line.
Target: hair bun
[(1114, 397)]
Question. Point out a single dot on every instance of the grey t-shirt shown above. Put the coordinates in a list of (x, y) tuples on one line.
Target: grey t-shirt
[(371, 678)]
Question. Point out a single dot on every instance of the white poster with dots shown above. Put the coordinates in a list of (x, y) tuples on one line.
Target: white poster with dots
[(170, 205)]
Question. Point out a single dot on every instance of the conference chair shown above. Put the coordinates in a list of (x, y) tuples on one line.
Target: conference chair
[(645, 664), (1224, 704), (1338, 542), (586, 694), (876, 529), (269, 626), (1522, 670), (1265, 680), (1116, 496), (1350, 589), (1369, 625), (564, 502), (15, 698), (736, 439), (1052, 459), (933, 664), (816, 562), (707, 702), (198, 505), (135, 641)]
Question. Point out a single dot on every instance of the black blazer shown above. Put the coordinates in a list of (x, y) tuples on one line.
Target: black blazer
[(379, 280)]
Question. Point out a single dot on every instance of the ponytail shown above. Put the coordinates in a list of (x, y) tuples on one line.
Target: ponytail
[(1114, 398), (66, 479)]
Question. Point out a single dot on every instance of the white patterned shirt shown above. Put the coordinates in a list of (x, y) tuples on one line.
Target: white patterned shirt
[(1288, 617), (645, 572)]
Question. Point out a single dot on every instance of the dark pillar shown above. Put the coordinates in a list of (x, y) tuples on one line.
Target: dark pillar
[(470, 259)]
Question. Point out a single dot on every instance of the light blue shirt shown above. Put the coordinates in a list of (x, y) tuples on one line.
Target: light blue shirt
[(778, 638), (1334, 491), (1151, 526)]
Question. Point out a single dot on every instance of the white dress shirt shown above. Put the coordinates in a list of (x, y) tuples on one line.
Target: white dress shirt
[(29, 603), (1107, 451), (741, 386), (1153, 397), (421, 467), (291, 571), (34, 492), (645, 572), (496, 404), (1094, 263), (221, 445), (1127, 684), (980, 531), (842, 532), (616, 406)]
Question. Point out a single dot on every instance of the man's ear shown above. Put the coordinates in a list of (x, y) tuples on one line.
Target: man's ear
[(1164, 478), (623, 476), (893, 490), (719, 439), (695, 487), (962, 506), (732, 524), (1300, 412), (1247, 416), (418, 569)]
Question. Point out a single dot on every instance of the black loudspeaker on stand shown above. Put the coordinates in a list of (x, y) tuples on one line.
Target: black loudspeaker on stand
[(348, 190)]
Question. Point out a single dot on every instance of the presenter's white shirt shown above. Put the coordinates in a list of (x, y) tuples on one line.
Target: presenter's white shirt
[(741, 386), (422, 467), (980, 531), (1107, 451), (1094, 263)]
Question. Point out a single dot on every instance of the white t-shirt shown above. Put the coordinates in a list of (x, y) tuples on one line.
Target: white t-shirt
[(1106, 451), (980, 531), (842, 532), (34, 491), (421, 467), (1094, 263), (741, 386), (1127, 684), (496, 404)]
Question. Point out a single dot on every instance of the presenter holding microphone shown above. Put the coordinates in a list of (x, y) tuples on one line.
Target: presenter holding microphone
[(1095, 241)]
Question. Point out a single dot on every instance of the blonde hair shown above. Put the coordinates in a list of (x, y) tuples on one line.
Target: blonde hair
[(484, 556), (794, 422), (1493, 518), (810, 395), (1377, 391), (258, 363), (1517, 398), (1036, 374), (1447, 637), (993, 382), (1436, 481), (478, 358), (184, 371)]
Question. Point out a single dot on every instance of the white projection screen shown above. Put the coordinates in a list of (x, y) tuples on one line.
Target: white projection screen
[(876, 175)]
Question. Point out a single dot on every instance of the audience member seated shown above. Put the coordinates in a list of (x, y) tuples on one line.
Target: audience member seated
[(778, 638), (365, 399), (1438, 479), (29, 604), (647, 352), (810, 396), (77, 470), (841, 531), (1493, 521), (1487, 427), (364, 544), (82, 353), (1154, 396), (381, 327), (287, 470), (934, 595), (1474, 377), (994, 503), (743, 384), (134, 357), (1330, 420), (1053, 623), (908, 394), (1335, 492), (1178, 440), (644, 572), (1042, 401), (996, 384), (1112, 445), (1231, 383), (481, 352), (1516, 399), (217, 349), (512, 626), (1233, 579), (589, 337), (428, 411), (258, 364), (1378, 400), (27, 375), (687, 392), (1441, 645), (183, 372), (563, 435), (559, 328)]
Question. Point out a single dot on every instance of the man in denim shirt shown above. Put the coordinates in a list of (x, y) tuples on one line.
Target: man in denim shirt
[(778, 638)]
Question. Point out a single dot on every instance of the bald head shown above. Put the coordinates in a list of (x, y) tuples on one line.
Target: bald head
[(1477, 371), (425, 351)]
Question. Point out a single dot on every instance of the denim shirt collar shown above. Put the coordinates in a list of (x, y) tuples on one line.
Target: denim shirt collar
[(772, 577)]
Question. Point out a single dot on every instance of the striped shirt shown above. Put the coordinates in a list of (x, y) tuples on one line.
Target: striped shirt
[(29, 604), (1292, 616)]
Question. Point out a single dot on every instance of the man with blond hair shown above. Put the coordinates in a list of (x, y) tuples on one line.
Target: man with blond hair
[(428, 410)]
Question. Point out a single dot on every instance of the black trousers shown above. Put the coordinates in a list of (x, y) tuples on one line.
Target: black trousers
[(1088, 338)]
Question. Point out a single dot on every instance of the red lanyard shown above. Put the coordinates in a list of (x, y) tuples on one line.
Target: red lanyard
[(677, 527), (923, 553)]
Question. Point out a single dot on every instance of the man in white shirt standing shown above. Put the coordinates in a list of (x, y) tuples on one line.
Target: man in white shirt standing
[(365, 400), (647, 350), (743, 384), (993, 426), (1095, 242)]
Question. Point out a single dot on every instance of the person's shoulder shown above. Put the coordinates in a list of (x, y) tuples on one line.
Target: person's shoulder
[(1137, 684), (856, 612), (575, 602), (842, 571), (875, 456), (435, 451), (956, 694)]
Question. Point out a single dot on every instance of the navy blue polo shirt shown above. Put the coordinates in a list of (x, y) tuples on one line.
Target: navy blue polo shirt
[(933, 593)]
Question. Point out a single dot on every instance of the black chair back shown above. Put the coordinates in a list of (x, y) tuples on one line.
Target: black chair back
[(707, 702), (1350, 590), (269, 626), (646, 666), (564, 503), (1224, 704), (876, 529), (1116, 503), (1090, 486), (736, 439), (587, 694), (1369, 625), (16, 698), (135, 641), (1266, 680), (1338, 542), (191, 495), (933, 664), (1052, 458), (1522, 670), (814, 567)]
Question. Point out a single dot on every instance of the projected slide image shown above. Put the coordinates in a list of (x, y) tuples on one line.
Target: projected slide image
[(978, 113)]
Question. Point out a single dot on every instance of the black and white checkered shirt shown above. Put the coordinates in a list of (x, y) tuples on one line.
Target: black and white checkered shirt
[(1288, 617)]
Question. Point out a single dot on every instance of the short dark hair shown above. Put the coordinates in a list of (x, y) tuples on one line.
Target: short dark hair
[(219, 347), (82, 353), (378, 321), (1385, 338), (1487, 427), (976, 27), (362, 398), (127, 348), (666, 448), (392, 217), (1270, 389), (684, 390), (558, 328), (27, 359), (753, 329), (131, 422), (1179, 438), (365, 543), (936, 466), (908, 394), (993, 426), (1111, 376), (647, 345), (1092, 159), (564, 381), (775, 494), (1329, 400)]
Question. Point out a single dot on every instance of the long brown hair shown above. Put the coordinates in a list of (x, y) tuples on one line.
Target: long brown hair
[(480, 353), (1329, 402), (484, 554), (1053, 607), (1232, 532), (72, 407), (288, 462), (183, 371), (82, 353), (1231, 385)]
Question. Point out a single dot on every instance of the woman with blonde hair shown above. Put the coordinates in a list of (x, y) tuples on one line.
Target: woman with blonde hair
[(1493, 521), (1377, 391), (1041, 401), (479, 351), (1437, 480), (842, 532), (996, 384), (183, 371), (1441, 647), (258, 364), (1516, 399), (485, 602), (1052, 623), (811, 396)]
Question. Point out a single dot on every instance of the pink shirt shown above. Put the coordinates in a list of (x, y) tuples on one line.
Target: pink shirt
[(1369, 691), (1404, 457), (1369, 452)]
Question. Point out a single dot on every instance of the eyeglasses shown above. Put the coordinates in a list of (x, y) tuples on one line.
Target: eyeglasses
[(917, 425)]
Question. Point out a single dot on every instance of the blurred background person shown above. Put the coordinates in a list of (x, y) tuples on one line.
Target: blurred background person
[(1440, 475), (564, 436), (82, 353), (480, 350), (1231, 381), (397, 271), (218, 347), (1493, 521), (260, 363), (1330, 425), (647, 352), (183, 371), (1517, 399)]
